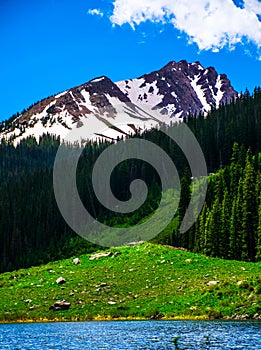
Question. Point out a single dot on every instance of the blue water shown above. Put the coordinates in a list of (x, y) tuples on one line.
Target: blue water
[(132, 335)]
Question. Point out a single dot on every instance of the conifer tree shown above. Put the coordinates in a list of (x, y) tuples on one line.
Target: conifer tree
[(224, 226), (235, 169), (248, 210), (200, 230), (258, 244), (206, 237), (214, 229)]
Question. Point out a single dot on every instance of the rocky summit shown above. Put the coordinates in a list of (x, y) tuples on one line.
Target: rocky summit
[(111, 110)]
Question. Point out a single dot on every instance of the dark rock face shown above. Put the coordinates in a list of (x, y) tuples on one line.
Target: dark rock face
[(74, 102), (177, 89), (187, 87)]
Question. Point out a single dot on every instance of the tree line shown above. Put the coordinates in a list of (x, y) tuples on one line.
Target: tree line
[(229, 225), (32, 230)]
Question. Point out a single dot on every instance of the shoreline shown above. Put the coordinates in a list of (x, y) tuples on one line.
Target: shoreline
[(111, 319)]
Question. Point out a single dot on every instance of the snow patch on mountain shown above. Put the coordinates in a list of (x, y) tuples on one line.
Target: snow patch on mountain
[(114, 110), (220, 93), (141, 92), (200, 93)]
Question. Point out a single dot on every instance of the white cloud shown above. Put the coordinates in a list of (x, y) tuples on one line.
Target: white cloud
[(253, 5), (95, 12), (211, 24)]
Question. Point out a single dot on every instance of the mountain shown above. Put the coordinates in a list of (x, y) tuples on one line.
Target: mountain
[(180, 88), (111, 110)]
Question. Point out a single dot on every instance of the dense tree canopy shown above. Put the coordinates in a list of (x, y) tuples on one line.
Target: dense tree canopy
[(32, 230)]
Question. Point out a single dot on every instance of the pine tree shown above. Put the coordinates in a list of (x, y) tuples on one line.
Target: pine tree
[(224, 226), (235, 237), (235, 169), (214, 230), (248, 210), (258, 245), (200, 230), (206, 238), (185, 195)]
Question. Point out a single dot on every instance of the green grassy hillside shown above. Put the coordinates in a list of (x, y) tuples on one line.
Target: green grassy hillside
[(143, 281)]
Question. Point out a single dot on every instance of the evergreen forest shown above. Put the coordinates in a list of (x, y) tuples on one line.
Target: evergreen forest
[(32, 230)]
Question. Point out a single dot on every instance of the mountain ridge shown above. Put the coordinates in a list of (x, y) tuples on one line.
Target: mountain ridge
[(166, 95)]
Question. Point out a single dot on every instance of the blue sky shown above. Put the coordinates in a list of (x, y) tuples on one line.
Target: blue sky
[(49, 46)]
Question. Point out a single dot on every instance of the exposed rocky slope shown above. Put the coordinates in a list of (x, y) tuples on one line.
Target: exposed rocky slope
[(111, 110)]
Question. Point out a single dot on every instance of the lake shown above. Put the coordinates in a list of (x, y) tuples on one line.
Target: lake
[(132, 335)]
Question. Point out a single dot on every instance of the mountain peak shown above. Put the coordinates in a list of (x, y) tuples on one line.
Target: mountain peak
[(99, 79), (180, 88), (183, 64)]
